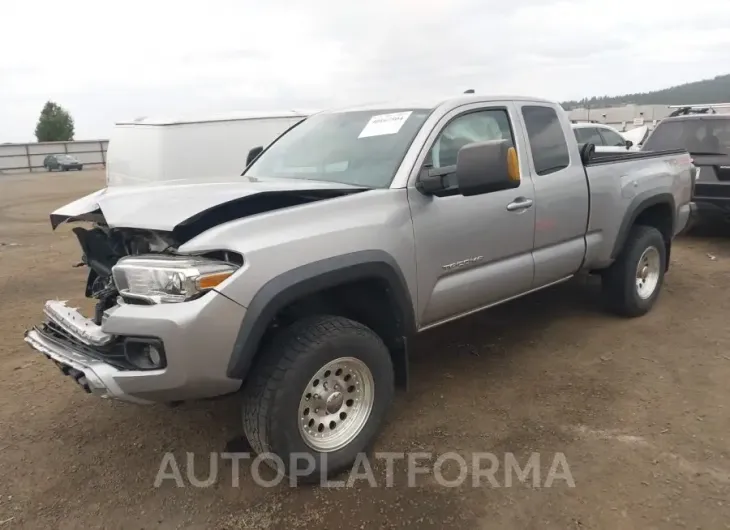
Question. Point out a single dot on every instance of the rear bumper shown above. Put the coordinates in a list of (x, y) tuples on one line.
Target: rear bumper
[(711, 196), (711, 205), (197, 338), (691, 219), (684, 218)]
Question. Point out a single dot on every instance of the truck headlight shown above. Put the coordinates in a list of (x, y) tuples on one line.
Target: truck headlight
[(168, 279)]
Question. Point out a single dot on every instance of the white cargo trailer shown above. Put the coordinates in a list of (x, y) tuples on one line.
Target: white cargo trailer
[(149, 150)]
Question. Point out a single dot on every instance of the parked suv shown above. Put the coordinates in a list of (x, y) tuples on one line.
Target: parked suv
[(706, 136), (301, 283)]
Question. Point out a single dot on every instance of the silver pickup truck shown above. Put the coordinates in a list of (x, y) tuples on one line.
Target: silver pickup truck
[(300, 283)]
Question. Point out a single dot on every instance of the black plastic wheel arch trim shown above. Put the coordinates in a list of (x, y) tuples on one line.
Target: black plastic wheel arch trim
[(308, 279)]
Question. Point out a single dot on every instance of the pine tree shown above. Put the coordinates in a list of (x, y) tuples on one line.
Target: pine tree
[(55, 124)]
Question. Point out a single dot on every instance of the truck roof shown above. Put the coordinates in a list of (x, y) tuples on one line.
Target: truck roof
[(228, 116), (434, 102)]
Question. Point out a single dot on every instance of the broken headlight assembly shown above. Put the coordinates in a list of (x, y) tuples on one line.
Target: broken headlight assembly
[(168, 279)]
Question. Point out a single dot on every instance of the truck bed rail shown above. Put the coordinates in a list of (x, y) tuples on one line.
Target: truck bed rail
[(607, 158)]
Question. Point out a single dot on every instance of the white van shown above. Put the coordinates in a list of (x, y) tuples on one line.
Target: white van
[(152, 150)]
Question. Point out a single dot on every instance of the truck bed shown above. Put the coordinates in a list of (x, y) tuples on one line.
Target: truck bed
[(621, 185)]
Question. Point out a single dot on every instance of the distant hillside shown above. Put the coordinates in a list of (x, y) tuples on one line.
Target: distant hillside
[(715, 90)]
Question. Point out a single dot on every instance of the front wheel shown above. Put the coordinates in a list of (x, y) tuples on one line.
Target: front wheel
[(632, 284), (319, 395)]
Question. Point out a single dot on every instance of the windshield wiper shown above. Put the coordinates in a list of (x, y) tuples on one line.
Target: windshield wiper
[(707, 153)]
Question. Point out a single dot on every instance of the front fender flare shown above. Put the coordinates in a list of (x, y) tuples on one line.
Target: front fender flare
[(311, 278)]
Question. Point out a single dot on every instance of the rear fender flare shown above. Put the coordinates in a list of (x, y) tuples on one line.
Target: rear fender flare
[(639, 204)]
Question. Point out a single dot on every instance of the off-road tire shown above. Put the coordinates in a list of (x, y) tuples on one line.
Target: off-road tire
[(272, 395), (619, 280)]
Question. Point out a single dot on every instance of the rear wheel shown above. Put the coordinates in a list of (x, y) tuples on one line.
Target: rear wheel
[(632, 284), (319, 396)]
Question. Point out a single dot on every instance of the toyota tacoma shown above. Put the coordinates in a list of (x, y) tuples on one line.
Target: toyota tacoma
[(299, 284)]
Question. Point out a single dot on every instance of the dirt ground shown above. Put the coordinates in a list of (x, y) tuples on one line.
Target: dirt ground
[(640, 409)]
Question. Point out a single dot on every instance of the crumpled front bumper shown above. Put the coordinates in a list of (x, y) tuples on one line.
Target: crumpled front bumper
[(94, 376), (197, 337)]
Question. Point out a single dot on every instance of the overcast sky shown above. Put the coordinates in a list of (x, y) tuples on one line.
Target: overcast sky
[(120, 59)]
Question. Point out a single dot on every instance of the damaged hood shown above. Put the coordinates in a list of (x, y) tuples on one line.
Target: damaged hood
[(164, 207)]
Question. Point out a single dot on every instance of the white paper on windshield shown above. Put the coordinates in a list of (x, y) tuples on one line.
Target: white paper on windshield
[(384, 124)]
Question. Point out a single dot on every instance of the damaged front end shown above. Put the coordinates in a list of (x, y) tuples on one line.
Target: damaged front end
[(151, 320), (78, 345), (103, 247), (126, 266), (82, 350)]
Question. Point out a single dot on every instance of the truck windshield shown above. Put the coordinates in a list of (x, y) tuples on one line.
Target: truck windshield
[(697, 135), (362, 148)]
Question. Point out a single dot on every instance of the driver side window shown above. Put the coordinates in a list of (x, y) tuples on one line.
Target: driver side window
[(479, 126)]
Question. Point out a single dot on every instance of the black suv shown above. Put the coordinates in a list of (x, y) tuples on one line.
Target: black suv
[(705, 134)]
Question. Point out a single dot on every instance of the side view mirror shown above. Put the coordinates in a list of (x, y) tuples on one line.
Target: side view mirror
[(481, 167), (629, 144), (484, 167), (253, 153)]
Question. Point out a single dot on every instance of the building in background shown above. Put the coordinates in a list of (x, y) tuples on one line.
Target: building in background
[(627, 117)]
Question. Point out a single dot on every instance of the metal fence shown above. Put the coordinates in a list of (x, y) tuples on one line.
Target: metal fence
[(30, 157)]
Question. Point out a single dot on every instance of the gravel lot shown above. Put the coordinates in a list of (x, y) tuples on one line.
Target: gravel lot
[(638, 407)]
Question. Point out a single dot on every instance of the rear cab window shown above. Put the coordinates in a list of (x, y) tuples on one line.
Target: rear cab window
[(547, 141)]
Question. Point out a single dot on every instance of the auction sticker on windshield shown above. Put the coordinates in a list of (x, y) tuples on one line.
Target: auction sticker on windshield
[(384, 124)]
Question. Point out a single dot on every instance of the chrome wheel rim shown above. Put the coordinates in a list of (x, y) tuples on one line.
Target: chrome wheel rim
[(336, 404), (647, 273)]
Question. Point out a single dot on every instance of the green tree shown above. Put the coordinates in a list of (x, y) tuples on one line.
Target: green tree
[(55, 124)]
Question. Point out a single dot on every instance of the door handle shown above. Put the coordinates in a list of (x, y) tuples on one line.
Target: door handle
[(521, 203)]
